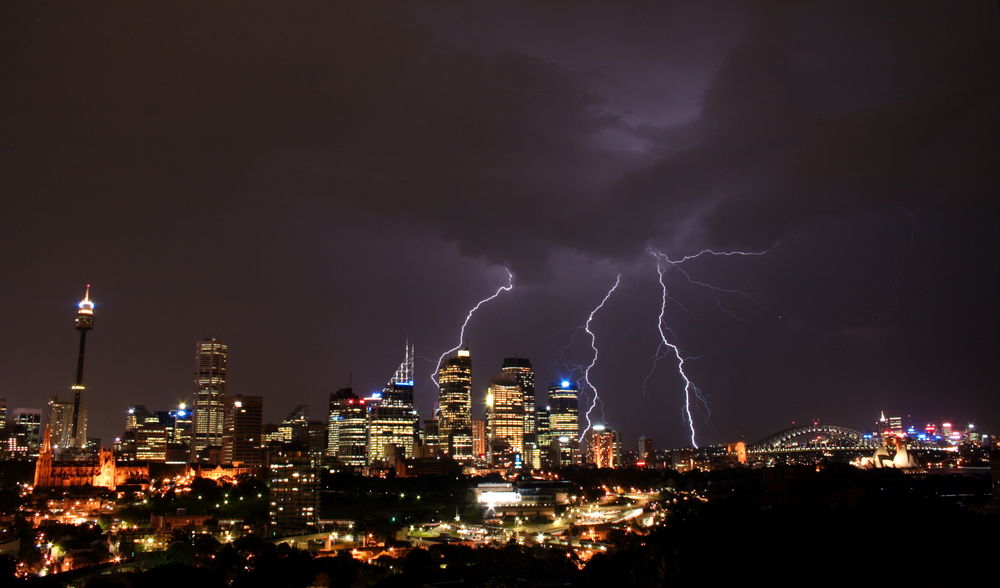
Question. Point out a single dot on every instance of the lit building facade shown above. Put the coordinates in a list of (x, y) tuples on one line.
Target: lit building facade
[(542, 431), (430, 436), (59, 418), (393, 420), (208, 410), (347, 434), (564, 422), (242, 430), (27, 431), (294, 488), (455, 405), (479, 438), (505, 420), (603, 447), (520, 368), (153, 435)]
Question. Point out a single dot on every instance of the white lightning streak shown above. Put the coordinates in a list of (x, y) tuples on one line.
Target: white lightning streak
[(593, 345), (468, 317), (716, 254), (680, 359), (689, 386)]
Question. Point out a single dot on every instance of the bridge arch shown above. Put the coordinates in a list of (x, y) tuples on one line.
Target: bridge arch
[(806, 435)]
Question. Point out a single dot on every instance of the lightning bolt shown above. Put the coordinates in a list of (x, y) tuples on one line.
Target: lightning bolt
[(461, 333), (593, 345), (713, 289), (689, 387), (666, 343)]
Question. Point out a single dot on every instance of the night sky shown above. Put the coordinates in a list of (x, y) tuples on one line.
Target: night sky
[(316, 183)]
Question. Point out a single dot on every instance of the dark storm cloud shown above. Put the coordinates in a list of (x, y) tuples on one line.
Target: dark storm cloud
[(827, 109), (346, 104), (817, 109)]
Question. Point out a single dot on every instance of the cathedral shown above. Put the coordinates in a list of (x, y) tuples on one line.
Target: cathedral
[(104, 473)]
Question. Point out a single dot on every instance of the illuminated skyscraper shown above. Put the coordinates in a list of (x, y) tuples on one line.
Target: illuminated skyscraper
[(242, 430), (294, 488), (479, 438), (430, 436), (152, 435), (455, 404), (84, 322), (542, 432), (59, 419), (603, 447), (211, 357), (564, 421), (520, 368), (505, 420), (347, 433), (182, 425), (393, 420), (27, 425)]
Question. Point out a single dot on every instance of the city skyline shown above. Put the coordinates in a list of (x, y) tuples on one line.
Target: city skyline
[(314, 198), (211, 375)]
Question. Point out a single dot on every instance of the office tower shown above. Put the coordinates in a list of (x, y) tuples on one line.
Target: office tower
[(353, 450), (430, 435), (27, 425), (479, 438), (882, 424), (316, 436), (294, 488), (135, 415), (179, 440), (335, 409), (182, 425), (3, 414), (127, 446), (84, 322), (520, 368), (294, 428), (347, 435), (564, 423), (152, 436), (645, 448), (896, 425), (393, 421), (505, 420), (242, 429), (455, 405), (603, 447), (59, 419), (211, 357), (542, 431)]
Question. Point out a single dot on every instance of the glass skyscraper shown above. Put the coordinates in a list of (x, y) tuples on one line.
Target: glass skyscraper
[(455, 405), (211, 357), (393, 419)]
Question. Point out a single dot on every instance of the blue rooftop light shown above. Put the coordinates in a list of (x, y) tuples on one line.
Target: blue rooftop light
[(565, 383)]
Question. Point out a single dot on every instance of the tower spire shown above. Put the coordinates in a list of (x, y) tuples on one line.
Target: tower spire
[(84, 322)]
